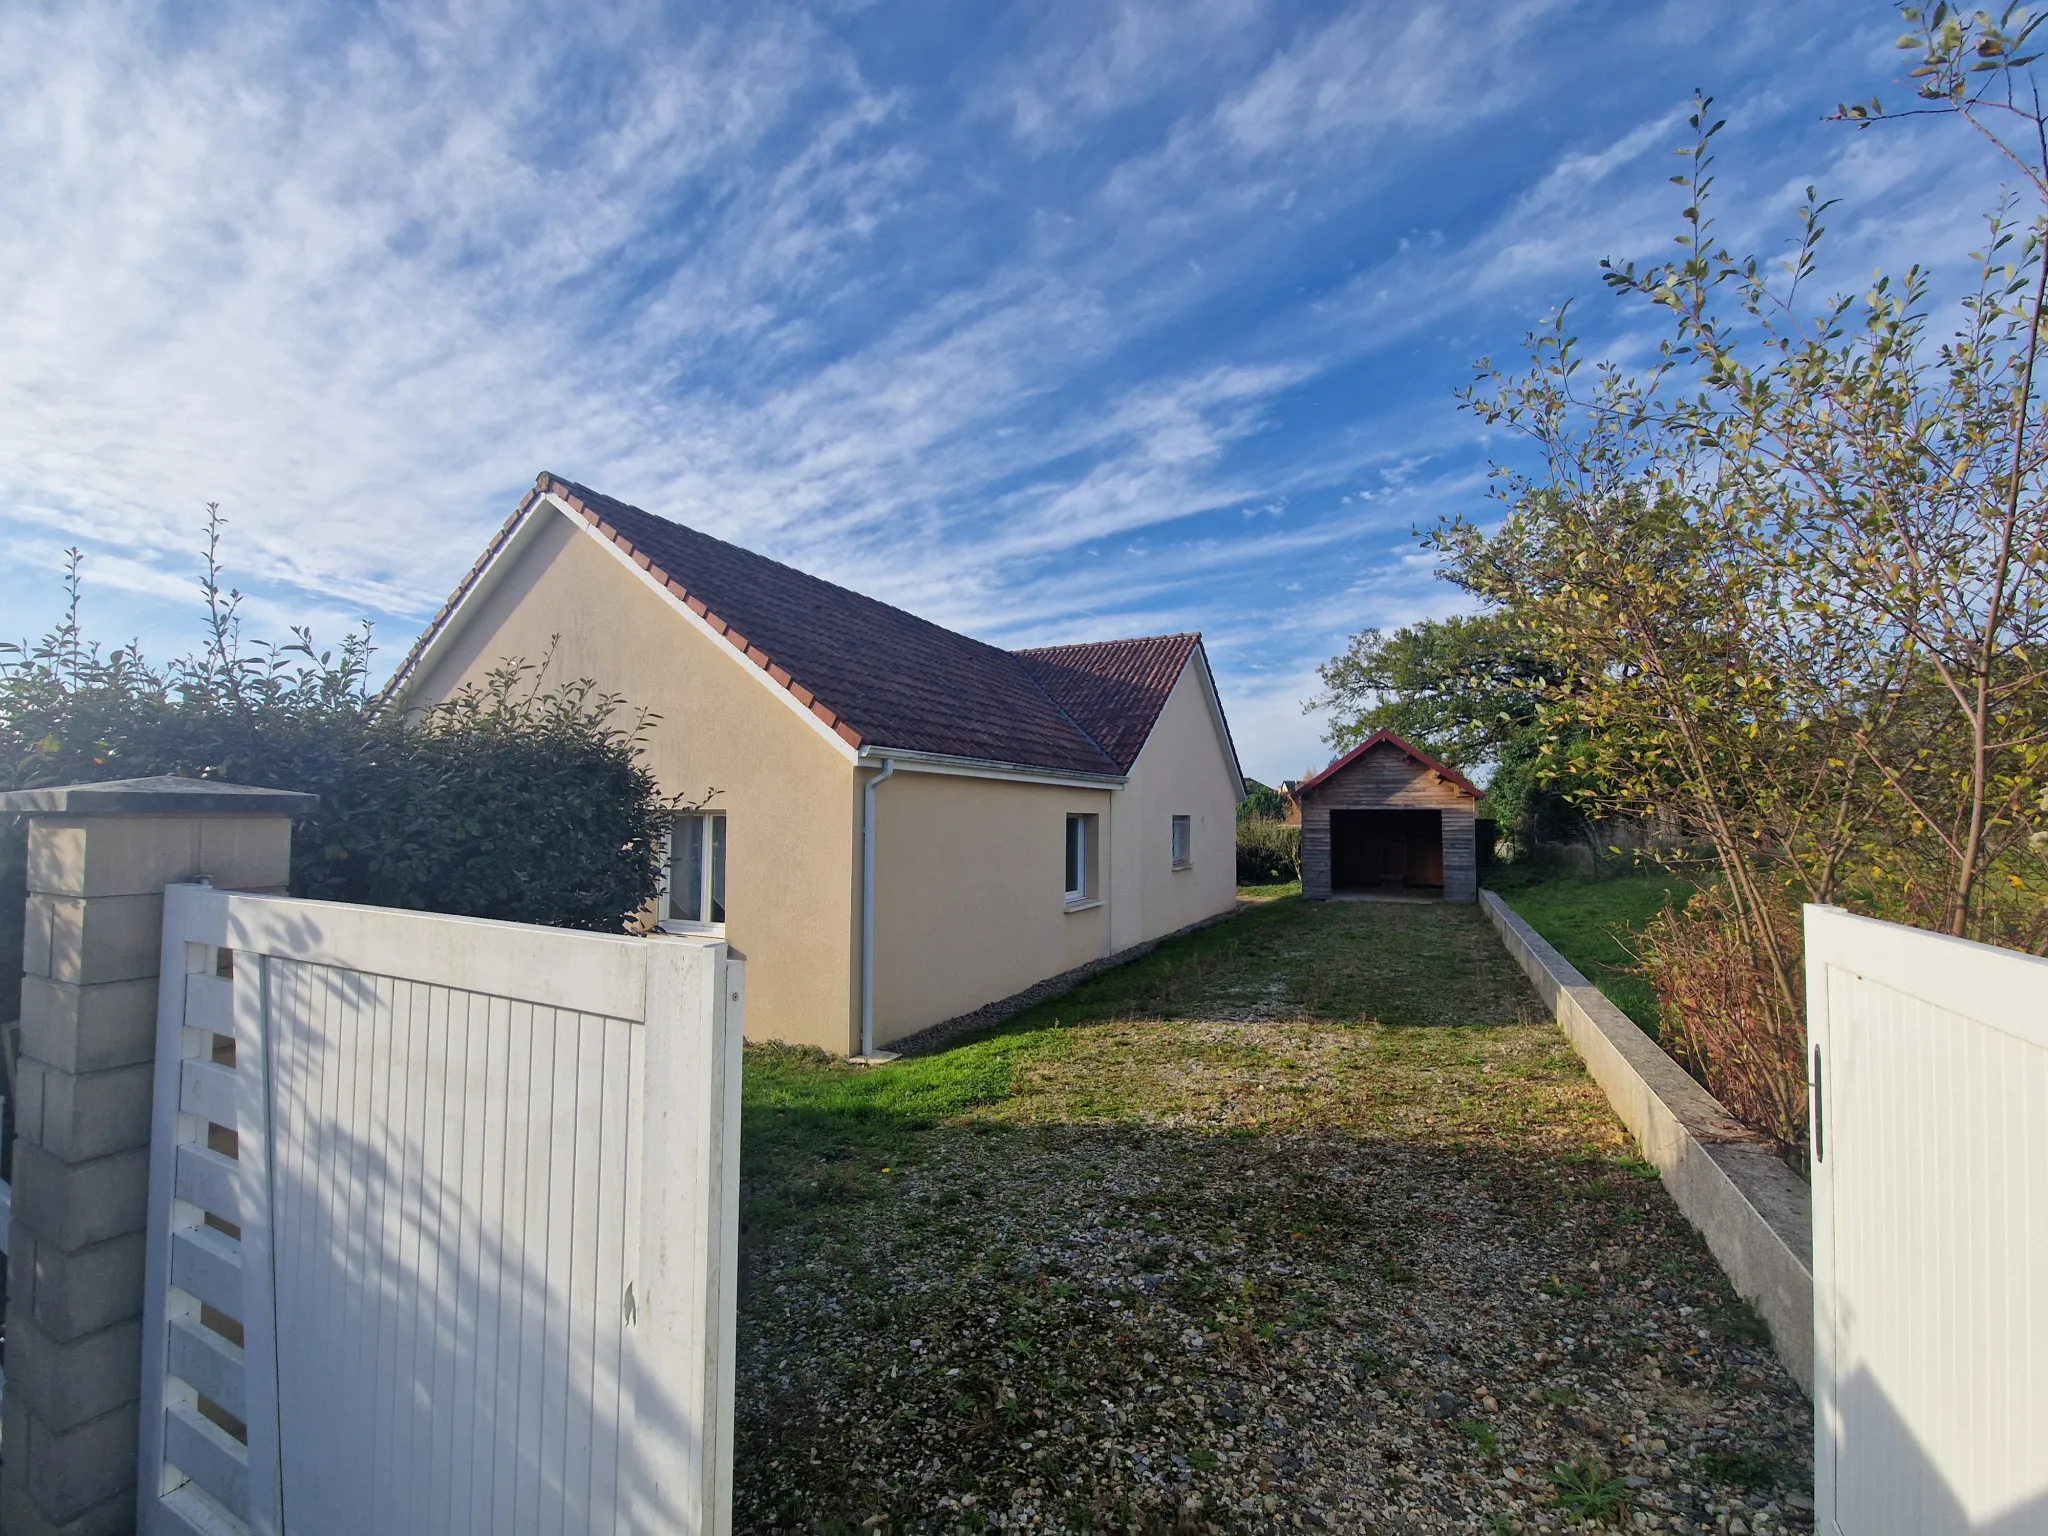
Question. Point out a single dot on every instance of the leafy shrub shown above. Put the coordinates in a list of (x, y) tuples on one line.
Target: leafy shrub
[(523, 798), (513, 800), (1268, 852), (1722, 1012)]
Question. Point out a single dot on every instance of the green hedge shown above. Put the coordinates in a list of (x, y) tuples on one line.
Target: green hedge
[(524, 799), (1268, 852)]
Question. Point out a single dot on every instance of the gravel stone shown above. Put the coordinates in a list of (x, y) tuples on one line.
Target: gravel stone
[(1287, 1287)]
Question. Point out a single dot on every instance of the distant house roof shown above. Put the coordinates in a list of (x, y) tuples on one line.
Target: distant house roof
[(1388, 739), (879, 677)]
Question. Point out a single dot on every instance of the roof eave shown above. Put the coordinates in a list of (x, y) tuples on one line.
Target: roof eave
[(480, 577), (1221, 720), (989, 768), (821, 717)]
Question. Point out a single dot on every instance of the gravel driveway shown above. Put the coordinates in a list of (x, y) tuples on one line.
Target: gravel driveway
[(1304, 1222)]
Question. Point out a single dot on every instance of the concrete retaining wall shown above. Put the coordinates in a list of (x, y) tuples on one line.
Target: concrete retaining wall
[(1755, 1213)]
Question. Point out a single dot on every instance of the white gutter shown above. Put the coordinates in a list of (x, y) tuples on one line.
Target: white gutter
[(988, 768), (867, 912)]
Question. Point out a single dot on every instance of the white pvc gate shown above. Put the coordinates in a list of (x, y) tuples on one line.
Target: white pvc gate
[(443, 1226), (1929, 1059)]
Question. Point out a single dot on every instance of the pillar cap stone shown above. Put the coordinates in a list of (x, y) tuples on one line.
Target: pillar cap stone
[(166, 794)]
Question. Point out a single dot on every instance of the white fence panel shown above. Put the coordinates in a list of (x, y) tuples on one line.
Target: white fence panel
[(1929, 1058), (444, 1225)]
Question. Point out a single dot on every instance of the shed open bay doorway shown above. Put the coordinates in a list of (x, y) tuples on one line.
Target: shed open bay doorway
[(1387, 850)]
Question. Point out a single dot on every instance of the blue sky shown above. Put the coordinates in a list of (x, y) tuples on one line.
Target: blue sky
[(1049, 323)]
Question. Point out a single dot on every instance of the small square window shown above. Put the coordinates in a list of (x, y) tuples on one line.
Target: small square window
[(694, 896), (1183, 842)]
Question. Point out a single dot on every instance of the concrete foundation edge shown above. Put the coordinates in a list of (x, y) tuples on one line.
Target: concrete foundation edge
[(1755, 1213)]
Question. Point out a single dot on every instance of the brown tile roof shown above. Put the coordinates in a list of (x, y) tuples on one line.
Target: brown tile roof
[(881, 677), (1114, 689)]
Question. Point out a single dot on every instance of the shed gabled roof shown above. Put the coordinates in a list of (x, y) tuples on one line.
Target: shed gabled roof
[(1388, 739), (877, 676)]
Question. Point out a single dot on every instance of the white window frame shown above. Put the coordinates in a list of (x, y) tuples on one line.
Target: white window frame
[(707, 857), (1082, 857), (1183, 842)]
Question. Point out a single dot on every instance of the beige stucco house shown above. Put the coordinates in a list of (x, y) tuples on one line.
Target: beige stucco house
[(908, 824)]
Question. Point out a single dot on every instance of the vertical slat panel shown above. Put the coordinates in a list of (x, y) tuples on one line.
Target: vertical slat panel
[(453, 1325), (608, 1322), (581, 1433), (530, 1381), (510, 1280), (557, 1323), (494, 1235), (358, 1018), (1931, 1249), (258, 1312), (426, 1343)]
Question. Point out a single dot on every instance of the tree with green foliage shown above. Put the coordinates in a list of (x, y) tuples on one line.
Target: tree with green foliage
[(1795, 575), (1467, 690), (1261, 802), (1459, 688)]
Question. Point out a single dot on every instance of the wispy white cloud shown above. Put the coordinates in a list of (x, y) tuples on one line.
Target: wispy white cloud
[(962, 324), (1077, 69)]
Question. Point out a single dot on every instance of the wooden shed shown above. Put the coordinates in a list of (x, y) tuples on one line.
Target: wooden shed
[(1387, 817)]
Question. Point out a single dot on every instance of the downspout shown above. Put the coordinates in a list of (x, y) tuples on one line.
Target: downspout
[(867, 909)]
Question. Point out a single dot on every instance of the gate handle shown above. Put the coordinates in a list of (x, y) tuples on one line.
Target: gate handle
[(1819, 1116)]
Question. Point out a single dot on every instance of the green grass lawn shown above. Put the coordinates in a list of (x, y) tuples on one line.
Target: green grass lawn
[(817, 1129), (1594, 924)]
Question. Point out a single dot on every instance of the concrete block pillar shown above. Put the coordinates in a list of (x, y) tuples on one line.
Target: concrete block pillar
[(99, 857)]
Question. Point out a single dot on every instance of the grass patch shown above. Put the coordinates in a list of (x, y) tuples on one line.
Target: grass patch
[(1594, 924), (818, 1130), (1268, 892), (1481, 1434), (1740, 1466), (1331, 962), (1426, 991)]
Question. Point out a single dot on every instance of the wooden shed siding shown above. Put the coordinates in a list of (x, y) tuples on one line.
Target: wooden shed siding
[(1387, 779), (1461, 854)]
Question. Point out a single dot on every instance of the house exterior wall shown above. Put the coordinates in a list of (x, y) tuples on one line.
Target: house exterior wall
[(970, 873), (1183, 770), (791, 800), (970, 879), (1386, 778)]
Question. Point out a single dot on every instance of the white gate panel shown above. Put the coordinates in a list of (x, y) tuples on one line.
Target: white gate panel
[(429, 1225), (450, 1207), (1930, 1176)]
